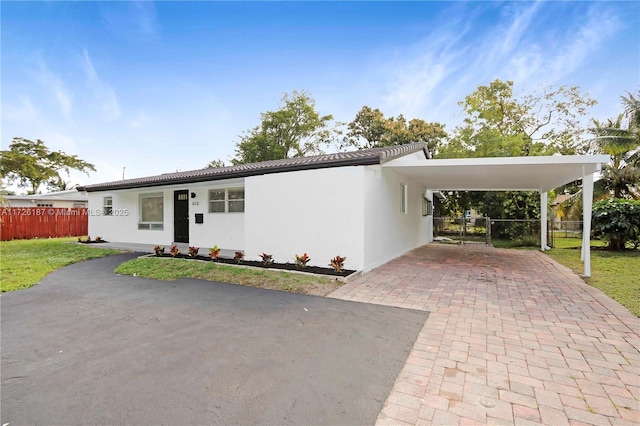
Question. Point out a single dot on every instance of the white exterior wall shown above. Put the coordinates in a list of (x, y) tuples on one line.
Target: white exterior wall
[(389, 233), (319, 212), (223, 229), (122, 226), (347, 211), (226, 230)]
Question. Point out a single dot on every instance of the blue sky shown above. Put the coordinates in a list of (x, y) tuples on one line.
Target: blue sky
[(165, 86)]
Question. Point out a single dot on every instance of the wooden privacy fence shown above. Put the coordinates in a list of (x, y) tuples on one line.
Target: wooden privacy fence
[(21, 223)]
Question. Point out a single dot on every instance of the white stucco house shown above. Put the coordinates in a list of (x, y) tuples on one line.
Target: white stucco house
[(370, 205)]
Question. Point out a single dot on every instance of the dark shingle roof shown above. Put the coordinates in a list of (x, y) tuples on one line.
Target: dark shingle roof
[(339, 159)]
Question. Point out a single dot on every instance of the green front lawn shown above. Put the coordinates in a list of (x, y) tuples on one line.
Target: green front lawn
[(617, 274), (171, 269), (23, 263)]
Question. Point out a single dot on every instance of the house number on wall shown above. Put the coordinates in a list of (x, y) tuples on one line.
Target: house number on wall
[(195, 203)]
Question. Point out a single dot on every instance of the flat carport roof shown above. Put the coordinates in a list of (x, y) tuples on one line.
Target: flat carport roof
[(510, 174), (498, 173)]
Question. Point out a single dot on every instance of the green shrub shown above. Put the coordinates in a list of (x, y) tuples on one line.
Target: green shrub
[(617, 221)]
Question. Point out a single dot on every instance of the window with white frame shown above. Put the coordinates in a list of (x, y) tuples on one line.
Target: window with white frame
[(229, 200), (427, 207), (107, 206), (217, 200), (236, 200), (151, 211), (403, 198)]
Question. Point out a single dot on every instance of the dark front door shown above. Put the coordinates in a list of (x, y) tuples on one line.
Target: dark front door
[(181, 216)]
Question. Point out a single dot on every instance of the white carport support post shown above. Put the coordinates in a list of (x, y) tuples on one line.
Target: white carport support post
[(587, 203), (543, 221)]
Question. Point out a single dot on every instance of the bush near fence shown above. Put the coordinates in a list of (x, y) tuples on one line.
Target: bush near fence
[(21, 223)]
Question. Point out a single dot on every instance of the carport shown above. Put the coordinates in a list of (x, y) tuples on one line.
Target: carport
[(540, 174)]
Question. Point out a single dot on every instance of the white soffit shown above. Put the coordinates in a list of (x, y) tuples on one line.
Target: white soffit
[(499, 173)]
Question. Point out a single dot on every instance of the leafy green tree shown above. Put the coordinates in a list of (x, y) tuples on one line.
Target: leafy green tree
[(618, 222), (214, 164), (500, 124), (294, 130), (370, 129), (32, 164), (366, 130), (620, 139), (59, 184)]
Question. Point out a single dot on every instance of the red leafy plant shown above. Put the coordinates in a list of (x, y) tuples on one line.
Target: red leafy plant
[(238, 256), (159, 250), (214, 252), (267, 259), (301, 261), (193, 251), (337, 263), (174, 250)]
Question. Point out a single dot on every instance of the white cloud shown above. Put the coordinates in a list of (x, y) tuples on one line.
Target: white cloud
[(137, 20), (147, 19), (140, 120), (525, 65), (518, 28), (57, 87), (21, 111), (103, 92), (598, 26), (419, 73), (428, 78)]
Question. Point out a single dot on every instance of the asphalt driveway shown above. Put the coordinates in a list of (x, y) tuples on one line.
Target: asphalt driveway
[(87, 346)]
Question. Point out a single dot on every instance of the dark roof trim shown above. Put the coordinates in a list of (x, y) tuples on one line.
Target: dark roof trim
[(340, 159)]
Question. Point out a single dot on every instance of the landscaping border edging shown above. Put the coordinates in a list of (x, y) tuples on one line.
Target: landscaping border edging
[(343, 280)]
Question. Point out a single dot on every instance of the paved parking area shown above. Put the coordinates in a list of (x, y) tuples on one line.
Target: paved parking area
[(87, 346), (512, 338)]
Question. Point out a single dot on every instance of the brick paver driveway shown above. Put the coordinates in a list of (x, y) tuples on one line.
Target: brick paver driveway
[(513, 337)]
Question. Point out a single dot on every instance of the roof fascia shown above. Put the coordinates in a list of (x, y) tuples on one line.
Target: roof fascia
[(501, 161), (231, 175)]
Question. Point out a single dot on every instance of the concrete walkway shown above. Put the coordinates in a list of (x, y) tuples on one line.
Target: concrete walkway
[(512, 338)]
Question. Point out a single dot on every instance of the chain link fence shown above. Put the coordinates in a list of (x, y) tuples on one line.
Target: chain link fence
[(461, 230), (502, 232)]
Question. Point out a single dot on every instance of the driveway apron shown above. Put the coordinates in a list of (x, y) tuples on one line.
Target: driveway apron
[(87, 346), (512, 338)]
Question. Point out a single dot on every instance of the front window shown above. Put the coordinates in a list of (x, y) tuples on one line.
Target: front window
[(226, 200), (217, 200), (236, 200), (107, 206), (151, 211)]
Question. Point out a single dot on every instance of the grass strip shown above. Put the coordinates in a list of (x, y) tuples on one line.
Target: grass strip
[(23, 263), (617, 274), (171, 269)]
